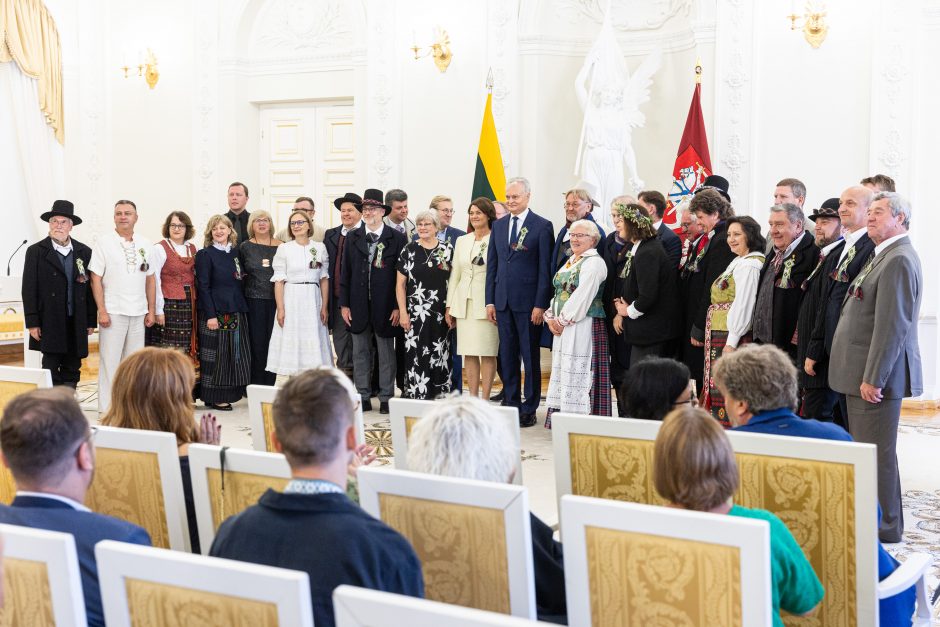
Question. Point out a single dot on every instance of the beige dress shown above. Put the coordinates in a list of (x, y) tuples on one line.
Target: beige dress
[(466, 298)]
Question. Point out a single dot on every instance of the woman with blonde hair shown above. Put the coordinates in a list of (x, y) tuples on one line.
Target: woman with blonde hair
[(224, 349), (152, 391), (256, 256)]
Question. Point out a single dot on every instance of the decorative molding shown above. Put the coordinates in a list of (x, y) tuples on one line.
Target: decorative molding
[(383, 114), (625, 16), (94, 94), (205, 119), (301, 25), (636, 44), (277, 66)]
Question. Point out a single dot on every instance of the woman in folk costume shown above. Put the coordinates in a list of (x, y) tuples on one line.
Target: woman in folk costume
[(175, 272), (734, 292), (580, 380)]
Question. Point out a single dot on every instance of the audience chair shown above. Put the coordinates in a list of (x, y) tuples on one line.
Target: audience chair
[(261, 418), (630, 564), (473, 538), (147, 586), (404, 413), (41, 580), (137, 479), (15, 381), (359, 607), (824, 490), (226, 481)]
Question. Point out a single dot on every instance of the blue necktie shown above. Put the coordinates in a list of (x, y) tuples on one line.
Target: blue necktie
[(514, 233)]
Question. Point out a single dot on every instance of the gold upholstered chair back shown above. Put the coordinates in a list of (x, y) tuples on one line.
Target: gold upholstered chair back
[(473, 538), (226, 481), (144, 586), (404, 414), (42, 586), (823, 490), (629, 564), (15, 381), (137, 479)]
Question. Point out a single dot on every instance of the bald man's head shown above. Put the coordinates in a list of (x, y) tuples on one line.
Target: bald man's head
[(853, 207)]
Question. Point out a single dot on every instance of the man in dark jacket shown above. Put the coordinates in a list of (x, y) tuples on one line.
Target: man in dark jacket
[(312, 526), (59, 311), (350, 215), (655, 203)]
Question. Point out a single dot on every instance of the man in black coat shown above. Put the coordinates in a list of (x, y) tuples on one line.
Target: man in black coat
[(367, 297), (59, 311), (789, 263), (655, 203), (350, 215)]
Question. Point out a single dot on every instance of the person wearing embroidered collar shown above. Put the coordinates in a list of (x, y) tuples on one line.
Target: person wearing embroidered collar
[(728, 324), (174, 271), (58, 309), (335, 239), (312, 525), (819, 401), (580, 378), (123, 284), (779, 293), (224, 347), (647, 308), (711, 257), (614, 252), (300, 339), (691, 233), (876, 346)]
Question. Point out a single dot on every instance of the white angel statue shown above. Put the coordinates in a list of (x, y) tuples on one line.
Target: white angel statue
[(610, 99)]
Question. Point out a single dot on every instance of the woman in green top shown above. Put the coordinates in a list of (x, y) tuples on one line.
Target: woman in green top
[(694, 468)]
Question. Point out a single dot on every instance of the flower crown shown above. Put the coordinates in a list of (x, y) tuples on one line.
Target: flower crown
[(632, 213)]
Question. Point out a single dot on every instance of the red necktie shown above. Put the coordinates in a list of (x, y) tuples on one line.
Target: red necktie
[(701, 244)]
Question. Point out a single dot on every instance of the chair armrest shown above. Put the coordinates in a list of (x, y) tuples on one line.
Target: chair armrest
[(911, 570)]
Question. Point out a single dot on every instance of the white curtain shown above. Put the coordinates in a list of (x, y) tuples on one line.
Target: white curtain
[(32, 172)]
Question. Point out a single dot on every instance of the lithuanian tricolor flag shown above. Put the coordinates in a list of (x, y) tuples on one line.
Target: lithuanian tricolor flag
[(489, 180)]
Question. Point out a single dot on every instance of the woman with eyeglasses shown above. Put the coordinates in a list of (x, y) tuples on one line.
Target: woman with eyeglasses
[(173, 259), (257, 258), (654, 387), (301, 338), (477, 338), (580, 378)]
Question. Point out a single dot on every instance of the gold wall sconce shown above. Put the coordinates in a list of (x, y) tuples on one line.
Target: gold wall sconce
[(439, 50), (814, 28), (147, 68)]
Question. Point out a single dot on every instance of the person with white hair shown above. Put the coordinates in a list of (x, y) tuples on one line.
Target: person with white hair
[(463, 437), (580, 379)]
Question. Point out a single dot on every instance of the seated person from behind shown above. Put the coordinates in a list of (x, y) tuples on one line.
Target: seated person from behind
[(759, 384), (694, 468), (48, 446), (153, 390), (654, 387), (462, 436), (313, 526)]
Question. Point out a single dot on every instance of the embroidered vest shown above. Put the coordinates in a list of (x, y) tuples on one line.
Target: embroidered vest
[(68, 267), (566, 282), (177, 271)]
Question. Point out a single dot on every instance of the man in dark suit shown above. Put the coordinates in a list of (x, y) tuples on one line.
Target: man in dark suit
[(47, 444), (876, 347), (58, 308), (518, 291), (818, 401), (367, 297), (350, 216), (789, 263), (655, 203), (237, 213), (312, 526)]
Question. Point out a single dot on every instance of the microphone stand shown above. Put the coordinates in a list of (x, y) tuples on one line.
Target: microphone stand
[(10, 260)]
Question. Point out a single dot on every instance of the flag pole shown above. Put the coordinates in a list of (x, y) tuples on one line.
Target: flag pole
[(698, 71), (489, 81)]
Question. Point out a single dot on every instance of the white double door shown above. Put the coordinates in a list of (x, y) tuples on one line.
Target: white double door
[(306, 150)]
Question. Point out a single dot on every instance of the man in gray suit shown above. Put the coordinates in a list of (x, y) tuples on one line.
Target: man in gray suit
[(875, 357)]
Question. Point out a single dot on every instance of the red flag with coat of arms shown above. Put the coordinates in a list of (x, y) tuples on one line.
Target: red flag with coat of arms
[(693, 163)]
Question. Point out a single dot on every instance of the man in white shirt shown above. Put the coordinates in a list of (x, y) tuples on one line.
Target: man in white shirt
[(124, 287)]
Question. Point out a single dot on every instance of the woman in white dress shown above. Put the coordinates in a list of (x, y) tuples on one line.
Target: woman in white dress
[(301, 339)]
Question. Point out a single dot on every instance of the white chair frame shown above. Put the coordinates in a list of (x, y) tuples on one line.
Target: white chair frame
[(57, 551), (202, 457), (400, 408), (751, 537), (512, 500), (171, 480), (359, 607), (15, 374), (117, 561)]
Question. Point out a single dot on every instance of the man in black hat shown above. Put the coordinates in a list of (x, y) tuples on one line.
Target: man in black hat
[(350, 216), (59, 311), (367, 297), (819, 400), (716, 182)]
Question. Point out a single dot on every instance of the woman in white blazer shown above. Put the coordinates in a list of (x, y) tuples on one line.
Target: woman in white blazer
[(477, 339)]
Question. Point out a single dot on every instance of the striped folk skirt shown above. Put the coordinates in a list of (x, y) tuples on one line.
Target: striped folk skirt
[(224, 359), (180, 330), (715, 342)]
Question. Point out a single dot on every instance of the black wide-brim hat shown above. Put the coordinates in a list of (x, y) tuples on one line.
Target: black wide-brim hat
[(64, 209), (355, 199), (716, 182), (373, 198), (829, 209)]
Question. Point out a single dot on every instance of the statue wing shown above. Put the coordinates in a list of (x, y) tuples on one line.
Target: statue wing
[(637, 90)]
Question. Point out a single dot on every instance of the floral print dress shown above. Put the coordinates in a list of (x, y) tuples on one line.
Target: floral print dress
[(427, 351)]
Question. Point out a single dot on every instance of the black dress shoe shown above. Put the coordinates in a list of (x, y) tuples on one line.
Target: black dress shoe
[(527, 420), (498, 398), (366, 406), (383, 407)]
